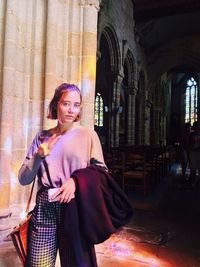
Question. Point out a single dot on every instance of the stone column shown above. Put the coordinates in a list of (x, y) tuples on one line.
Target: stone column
[(135, 90), (19, 56), (7, 103), (131, 117), (147, 123), (157, 121), (88, 65), (115, 111), (50, 57)]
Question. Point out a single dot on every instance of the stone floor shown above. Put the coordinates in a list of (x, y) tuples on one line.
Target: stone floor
[(164, 231)]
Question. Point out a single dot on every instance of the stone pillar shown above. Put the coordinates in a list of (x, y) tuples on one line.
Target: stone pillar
[(20, 40), (131, 117), (147, 123), (157, 121), (50, 56), (135, 91), (88, 65), (114, 142), (43, 43), (36, 35), (7, 104)]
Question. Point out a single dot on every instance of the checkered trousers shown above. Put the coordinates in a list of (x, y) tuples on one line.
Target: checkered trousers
[(46, 235)]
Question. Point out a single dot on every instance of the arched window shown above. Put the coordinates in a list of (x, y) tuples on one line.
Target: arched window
[(99, 110), (191, 96)]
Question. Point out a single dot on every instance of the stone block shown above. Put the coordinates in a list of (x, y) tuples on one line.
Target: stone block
[(51, 34), (38, 62), (89, 44), (10, 54), (90, 14), (74, 69), (7, 113), (4, 195), (74, 44), (8, 80), (51, 60), (50, 85), (19, 137), (19, 90), (89, 68), (36, 112)]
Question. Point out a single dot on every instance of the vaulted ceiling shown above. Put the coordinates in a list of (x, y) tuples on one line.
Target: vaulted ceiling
[(169, 32)]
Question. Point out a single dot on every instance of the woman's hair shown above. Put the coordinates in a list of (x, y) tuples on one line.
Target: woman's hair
[(60, 90)]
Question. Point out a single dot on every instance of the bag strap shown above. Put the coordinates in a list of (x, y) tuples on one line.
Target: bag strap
[(31, 193), (47, 172), (30, 196)]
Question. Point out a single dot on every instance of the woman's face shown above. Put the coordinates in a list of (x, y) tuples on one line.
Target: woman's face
[(68, 107)]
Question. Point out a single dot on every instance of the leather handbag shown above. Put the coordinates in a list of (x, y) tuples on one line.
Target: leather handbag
[(19, 232)]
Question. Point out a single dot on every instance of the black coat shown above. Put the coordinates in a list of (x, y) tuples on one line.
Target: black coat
[(103, 207)]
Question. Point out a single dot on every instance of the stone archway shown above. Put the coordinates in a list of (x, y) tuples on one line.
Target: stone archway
[(107, 69)]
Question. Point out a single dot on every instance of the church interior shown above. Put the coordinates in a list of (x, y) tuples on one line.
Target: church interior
[(137, 63)]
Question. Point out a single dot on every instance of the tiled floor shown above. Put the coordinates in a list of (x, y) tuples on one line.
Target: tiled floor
[(164, 231)]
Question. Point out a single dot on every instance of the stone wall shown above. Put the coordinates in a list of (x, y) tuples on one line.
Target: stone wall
[(42, 44), (118, 17)]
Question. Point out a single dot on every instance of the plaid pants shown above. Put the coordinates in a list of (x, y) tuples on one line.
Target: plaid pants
[(46, 235)]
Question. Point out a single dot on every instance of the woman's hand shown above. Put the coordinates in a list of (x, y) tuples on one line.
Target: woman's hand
[(67, 191), (45, 148)]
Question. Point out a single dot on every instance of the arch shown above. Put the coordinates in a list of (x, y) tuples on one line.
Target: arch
[(131, 68), (173, 54), (115, 59), (126, 122), (108, 65)]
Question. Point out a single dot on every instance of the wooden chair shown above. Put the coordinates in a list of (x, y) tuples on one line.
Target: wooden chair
[(113, 160), (134, 173)]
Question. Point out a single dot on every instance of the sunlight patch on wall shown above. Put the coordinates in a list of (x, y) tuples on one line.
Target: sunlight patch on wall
[(91, 68), (87, 85), (89, 74), (8, 146), (25, 125), (13, 180)]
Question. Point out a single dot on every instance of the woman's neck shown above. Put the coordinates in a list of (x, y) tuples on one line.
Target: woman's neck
[(62, 128)]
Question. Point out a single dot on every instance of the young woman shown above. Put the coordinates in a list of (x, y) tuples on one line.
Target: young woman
[(53, 156)]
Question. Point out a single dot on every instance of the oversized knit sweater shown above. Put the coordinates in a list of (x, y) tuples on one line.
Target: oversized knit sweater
[(72, 151)]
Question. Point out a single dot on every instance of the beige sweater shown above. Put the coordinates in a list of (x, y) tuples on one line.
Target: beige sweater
[(73, 151)]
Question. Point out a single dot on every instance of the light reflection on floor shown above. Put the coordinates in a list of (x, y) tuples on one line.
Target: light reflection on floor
[(122, 249)]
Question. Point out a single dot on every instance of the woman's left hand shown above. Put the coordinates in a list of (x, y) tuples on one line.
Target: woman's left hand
[(67, 191)]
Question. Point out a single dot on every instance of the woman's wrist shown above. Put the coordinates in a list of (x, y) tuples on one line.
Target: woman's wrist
[(39, 155)]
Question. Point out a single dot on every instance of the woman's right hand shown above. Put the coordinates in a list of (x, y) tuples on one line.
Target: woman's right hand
[(45, 148)]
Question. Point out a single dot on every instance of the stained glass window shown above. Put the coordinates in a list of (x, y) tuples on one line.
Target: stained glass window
[(99, 110), (191, 101)]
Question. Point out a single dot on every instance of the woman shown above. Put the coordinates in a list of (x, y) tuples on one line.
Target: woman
[(184, 149), (53, 156)]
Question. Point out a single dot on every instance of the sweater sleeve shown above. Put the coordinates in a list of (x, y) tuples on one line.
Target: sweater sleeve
[(96, 150), (31, 164)]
